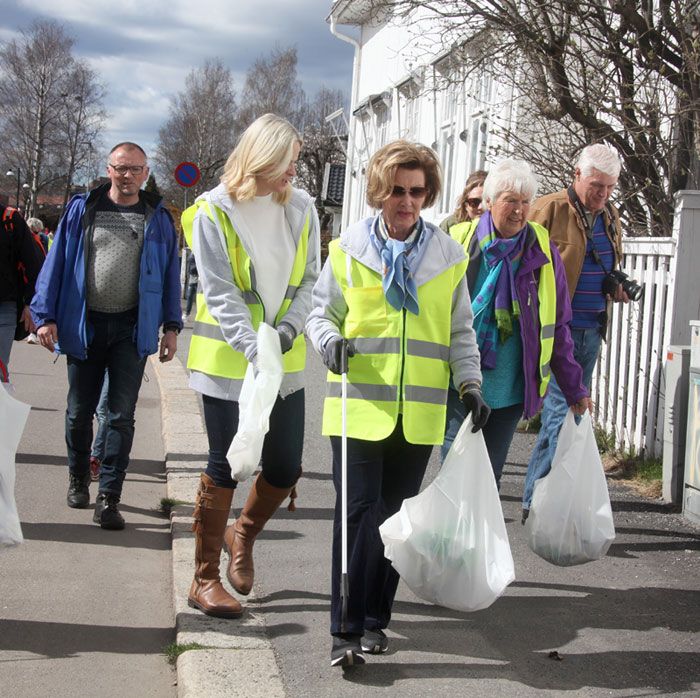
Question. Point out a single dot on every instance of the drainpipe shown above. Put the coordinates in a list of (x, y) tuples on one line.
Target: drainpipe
[(357, 60)]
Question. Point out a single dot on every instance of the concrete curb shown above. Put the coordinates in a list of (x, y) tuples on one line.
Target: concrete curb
[(237, 659)]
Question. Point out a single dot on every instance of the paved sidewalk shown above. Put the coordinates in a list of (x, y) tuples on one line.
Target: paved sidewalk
[(626, 625)]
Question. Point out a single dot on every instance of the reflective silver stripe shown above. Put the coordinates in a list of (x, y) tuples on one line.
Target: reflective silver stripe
[(204, 329), (420, 393), (289, 293), (250, 298), (252, 275), (548, 332), (364, 391), (428, 350), (545, 370), (376, 345)]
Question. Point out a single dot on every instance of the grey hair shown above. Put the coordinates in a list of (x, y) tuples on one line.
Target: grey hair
[(510, 175), (35, 224), (601, 157)]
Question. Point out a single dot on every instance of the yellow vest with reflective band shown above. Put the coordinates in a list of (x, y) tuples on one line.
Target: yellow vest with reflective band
[(399, 357), (209, 352), (546, 293)]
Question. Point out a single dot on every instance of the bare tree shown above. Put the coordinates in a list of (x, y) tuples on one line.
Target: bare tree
[(271, 86), (626, 73), (321, 143), (201, 127), (33, 89)]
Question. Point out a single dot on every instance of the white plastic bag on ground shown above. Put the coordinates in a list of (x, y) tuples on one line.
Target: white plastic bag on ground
[(256, 401), (449, 543), (13, 417), (570, 519)]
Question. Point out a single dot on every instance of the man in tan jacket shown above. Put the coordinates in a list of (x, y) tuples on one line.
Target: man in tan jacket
[(586, 230)]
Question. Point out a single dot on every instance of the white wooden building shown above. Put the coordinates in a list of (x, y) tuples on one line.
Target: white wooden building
[(401, 89)]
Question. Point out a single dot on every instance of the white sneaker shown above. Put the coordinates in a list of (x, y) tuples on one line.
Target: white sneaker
[(32, 339), (184, 318)]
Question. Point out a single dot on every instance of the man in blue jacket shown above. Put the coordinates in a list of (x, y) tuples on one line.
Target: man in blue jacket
[(111, 280)]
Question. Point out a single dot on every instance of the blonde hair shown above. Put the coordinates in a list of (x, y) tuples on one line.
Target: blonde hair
[(381, 171), (475, 179), (264, 149)]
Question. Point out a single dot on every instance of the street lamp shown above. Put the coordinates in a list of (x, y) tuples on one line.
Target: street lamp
[(10, 173)]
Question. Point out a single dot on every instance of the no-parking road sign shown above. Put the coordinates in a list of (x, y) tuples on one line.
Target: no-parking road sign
[(187, 174)]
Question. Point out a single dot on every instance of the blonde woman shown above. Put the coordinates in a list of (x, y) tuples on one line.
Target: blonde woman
[(256, 242)]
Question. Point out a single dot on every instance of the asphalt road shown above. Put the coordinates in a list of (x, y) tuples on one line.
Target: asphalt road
[(83, 611)]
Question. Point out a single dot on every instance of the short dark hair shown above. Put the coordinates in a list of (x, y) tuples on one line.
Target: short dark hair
[(129, 145)]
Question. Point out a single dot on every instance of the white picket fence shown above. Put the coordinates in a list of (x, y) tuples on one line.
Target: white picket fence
[(629, 377)]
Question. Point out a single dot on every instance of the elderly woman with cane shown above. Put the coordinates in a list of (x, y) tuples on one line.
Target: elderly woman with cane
[(521, 312), (392, 296)]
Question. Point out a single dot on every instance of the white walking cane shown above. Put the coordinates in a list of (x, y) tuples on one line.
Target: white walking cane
[(344, 585)]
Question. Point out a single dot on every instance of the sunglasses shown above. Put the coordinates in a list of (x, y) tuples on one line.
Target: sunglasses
[(413, 192), (474, 203)]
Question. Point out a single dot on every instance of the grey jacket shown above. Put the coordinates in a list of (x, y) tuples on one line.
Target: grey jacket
[(330, 309), (225, 300)]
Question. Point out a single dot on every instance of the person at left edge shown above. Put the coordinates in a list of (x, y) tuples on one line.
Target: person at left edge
[(256, 242), (110, 281), (393, 293)]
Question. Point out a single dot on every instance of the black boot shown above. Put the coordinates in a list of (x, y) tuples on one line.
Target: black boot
[(107, 511), (78, 496)]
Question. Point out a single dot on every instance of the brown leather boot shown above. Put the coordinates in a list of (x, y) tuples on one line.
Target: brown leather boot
[(210, 516), (263, 501)]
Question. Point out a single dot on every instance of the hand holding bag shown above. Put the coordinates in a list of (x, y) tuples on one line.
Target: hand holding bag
[(258, 396), (449, 543), (570, 519), (13, 417)]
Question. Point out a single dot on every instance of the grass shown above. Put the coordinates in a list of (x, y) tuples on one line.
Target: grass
[(173, 650), (167, 504)]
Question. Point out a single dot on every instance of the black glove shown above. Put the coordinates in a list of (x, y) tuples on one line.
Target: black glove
[(287, 336), (333, 354), (474, 404)]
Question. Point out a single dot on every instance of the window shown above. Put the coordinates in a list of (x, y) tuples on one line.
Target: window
[(409, 107), (448, 94)]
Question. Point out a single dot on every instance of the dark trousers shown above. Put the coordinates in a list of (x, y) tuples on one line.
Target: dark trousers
[(282, 448), (112, 349), (191, 296), (380, 475), (498, 432)]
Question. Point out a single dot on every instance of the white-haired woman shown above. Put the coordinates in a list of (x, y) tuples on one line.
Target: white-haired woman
[(256, 242), (521, 307)]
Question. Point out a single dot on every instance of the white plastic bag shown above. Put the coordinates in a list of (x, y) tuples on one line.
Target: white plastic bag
[(13, 417), (449, 543), (570, 520), (256, 401)]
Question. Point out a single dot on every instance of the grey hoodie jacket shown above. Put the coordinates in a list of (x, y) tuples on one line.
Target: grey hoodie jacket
[(225, 300), (330, 309)]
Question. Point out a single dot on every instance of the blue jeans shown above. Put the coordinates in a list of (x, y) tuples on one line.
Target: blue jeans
[(112, 349), (498, 431), (8, 324), (282, 448), (381, 474), (586, 349), (101, 414)]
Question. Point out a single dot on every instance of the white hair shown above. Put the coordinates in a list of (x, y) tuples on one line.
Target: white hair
[(35, 224), (601, 157), (512, 176)]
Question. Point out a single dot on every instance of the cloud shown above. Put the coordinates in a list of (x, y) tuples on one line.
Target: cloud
[(143, 52)]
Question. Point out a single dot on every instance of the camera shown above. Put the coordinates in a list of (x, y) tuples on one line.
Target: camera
[(616, 278)]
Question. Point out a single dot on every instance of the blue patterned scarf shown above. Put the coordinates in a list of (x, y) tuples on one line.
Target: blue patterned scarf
[(495, 305)]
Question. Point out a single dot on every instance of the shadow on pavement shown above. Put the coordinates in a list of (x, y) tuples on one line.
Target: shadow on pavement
[(91, 534)]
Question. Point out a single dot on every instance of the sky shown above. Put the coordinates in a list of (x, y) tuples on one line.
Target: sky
[(142, 50)]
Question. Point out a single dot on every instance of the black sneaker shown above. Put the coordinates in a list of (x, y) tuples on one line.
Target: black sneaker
[(78, 496), (346, 651), (374, 642), (526, 513), (107, 512)]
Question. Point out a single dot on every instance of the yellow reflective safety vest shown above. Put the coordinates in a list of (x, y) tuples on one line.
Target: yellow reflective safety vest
[(399, 357), (463, 233), (209, 352)]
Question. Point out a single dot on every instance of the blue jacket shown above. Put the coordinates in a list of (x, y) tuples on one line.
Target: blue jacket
[(60, 295)]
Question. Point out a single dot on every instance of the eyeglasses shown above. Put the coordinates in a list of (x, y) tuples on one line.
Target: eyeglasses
[(474, 203), (413, 192), (123, 169)]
